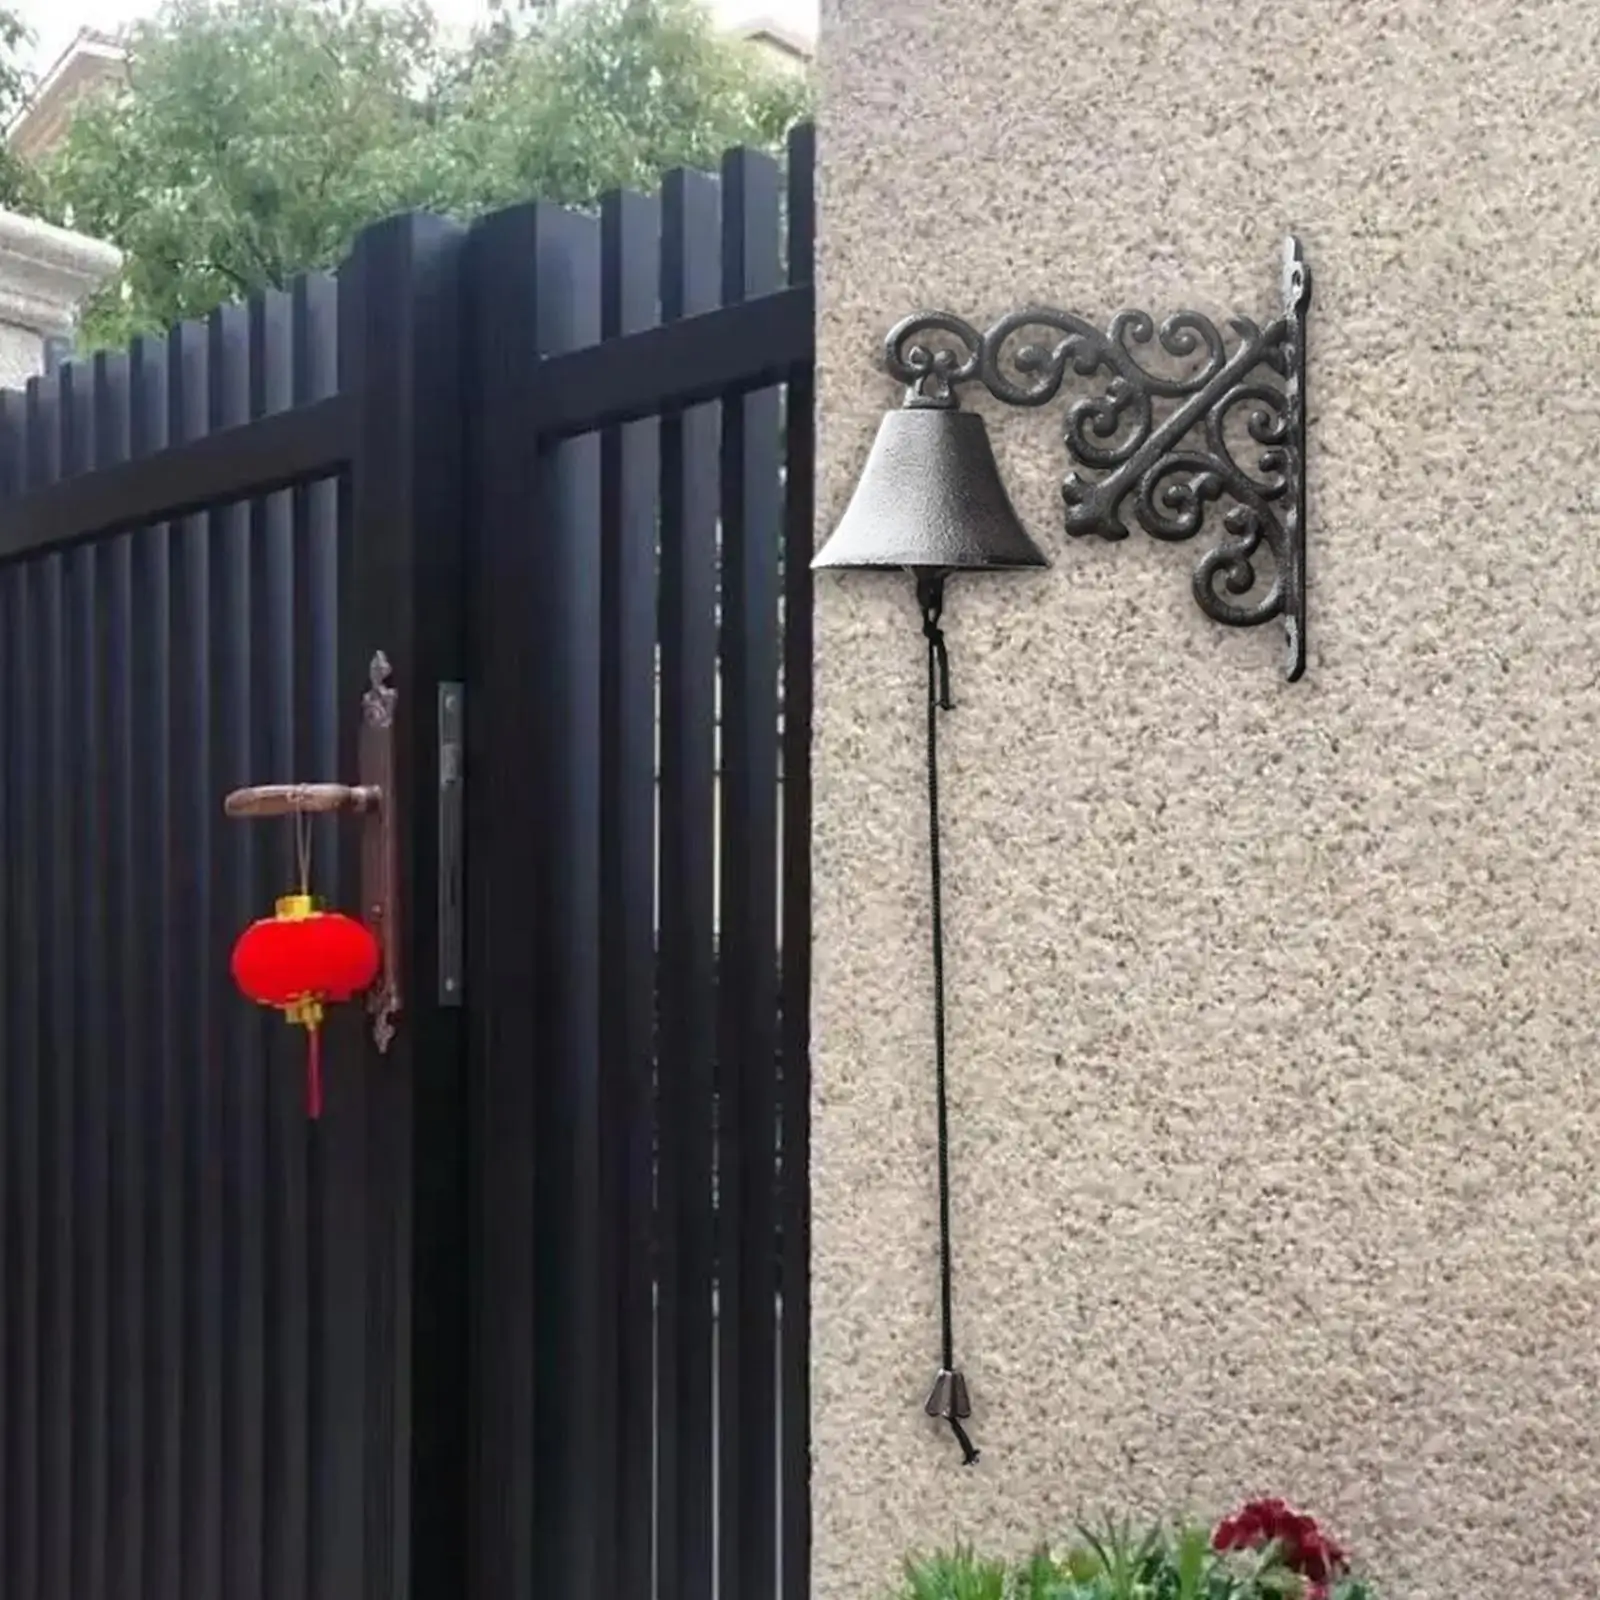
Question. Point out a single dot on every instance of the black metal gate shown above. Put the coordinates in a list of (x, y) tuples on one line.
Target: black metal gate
[(641, 460), (526, 1312)]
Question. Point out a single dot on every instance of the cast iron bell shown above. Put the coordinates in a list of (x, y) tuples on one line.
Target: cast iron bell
[(930, 497), (930, 500)]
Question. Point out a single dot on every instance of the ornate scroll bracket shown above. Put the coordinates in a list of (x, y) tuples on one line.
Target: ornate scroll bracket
[(372, 799), (1223, 428)]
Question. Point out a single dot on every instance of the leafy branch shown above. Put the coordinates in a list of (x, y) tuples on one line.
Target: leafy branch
[(251, 140)]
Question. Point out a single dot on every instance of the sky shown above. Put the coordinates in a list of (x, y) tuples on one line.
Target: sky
[(56, 22)]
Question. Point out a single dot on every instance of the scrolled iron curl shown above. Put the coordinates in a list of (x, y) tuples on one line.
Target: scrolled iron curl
[(1032, 374), (932, 372), (1180, 335), (1175, 511), (1040, 369), (1231, 562), (1267, 425), (1105, 416)]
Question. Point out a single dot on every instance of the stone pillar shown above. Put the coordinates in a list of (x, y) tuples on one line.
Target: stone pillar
[(1273, 1007), (46, 273)]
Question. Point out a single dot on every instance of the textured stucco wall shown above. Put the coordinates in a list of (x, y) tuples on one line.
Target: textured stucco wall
[(1274, 1007)]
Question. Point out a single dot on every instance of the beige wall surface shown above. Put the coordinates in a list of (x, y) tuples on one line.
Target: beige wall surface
[(1274, 1007)]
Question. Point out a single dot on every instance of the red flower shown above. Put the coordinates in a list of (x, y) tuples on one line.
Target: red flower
[(1306, 1548)]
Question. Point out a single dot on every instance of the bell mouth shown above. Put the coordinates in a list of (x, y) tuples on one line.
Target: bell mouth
[(930, 497)]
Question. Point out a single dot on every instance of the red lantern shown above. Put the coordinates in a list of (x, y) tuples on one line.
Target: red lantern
[(300, 959)]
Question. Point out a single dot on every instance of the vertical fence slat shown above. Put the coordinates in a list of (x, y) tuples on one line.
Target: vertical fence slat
[(533, 811), (158, 1047), (432, 432), (15, 940), (9, 954), (13, 462), (238, 1068), (503, 774), (280, 659), (193, 821), (71, 1354), (23, 1121), (747, 1054), (306, 1468), (794, 1363), (57, 1055), (272, 1095), (629, 475), (400, 583), (89, 615), (128, 1015), (339, 1148), (578, 1516), (685, 971)]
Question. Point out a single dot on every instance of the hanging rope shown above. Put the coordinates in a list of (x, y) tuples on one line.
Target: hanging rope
[(310, 1014), (302, 849), (949, 1397)]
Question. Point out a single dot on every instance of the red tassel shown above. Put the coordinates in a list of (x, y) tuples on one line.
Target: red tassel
[(314, 1073)]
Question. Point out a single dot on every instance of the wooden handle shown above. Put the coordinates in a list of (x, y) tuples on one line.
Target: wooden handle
[(290, 799)]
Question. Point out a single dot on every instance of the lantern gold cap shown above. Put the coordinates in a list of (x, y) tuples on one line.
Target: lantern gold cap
[(930, 497)]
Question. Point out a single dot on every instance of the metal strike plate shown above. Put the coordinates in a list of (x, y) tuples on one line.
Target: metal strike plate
[(380, 846), (373, 800), (452, 977)]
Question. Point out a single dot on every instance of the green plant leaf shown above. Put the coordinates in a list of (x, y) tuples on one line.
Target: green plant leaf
[(957, 1574), (1040, 1578), (1114, 1561), (1194, 1561)]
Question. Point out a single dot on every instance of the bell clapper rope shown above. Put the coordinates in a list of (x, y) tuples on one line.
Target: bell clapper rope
[(948, 1399)]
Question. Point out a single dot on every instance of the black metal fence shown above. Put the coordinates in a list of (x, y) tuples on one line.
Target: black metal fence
[(526, 1312)]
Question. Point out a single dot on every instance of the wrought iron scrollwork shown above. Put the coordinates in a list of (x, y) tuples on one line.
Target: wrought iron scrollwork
[(1223, 428)]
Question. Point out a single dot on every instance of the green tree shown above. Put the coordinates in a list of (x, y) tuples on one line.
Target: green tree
[(253, 138), (15, 187)]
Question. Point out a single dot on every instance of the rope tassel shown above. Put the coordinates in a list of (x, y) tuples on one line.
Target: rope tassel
[(314, 1073)]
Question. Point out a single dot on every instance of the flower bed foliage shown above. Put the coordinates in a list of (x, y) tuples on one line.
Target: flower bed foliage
[(1265, 1551)]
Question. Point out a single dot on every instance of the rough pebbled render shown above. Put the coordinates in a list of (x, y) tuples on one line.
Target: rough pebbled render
[(1274, 1008)]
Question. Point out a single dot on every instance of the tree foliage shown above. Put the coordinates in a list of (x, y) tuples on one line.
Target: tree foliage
[(253, 138), (14, 183)]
